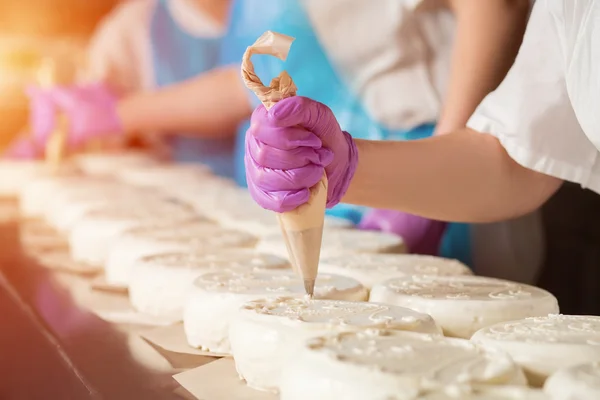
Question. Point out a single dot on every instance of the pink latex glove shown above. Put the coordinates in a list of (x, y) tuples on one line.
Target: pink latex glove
[(91, 111), (421, 235), (289, 147), (23, 148)]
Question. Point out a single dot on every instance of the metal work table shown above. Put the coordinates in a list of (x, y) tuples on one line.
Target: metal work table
[(52, 349)]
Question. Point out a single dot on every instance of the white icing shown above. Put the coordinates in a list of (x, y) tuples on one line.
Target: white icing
[(581, 382), (159, 285), (339, 242), (383, 364), (33, 198), (92, 235), (370, 269), (217, 296), (544, 345), (464, 304), (265, 333), (194, 235)]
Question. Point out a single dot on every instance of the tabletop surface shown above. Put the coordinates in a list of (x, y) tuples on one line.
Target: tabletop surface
[(52, 349)]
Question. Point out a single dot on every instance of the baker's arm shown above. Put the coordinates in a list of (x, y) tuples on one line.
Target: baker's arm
[(209, 105), (466, 176), (488, 36)]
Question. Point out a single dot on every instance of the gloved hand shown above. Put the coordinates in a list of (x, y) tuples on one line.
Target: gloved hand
[(289, 147), (421, 235), (23, 148), (91, 111)]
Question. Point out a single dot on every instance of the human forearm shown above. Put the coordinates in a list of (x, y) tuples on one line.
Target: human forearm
[(211, 105), (465, 176), (488, 37)]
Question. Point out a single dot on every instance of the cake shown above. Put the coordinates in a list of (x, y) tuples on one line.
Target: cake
[(92, 235), (265, 333), (196, 235), (581, 382), (371, 269), (216, 298), (340, 242), (464, 304), (544, 345), (160, 284), (384, 364)]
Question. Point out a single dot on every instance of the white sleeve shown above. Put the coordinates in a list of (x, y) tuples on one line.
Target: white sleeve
[(119, 51), (531, 114)]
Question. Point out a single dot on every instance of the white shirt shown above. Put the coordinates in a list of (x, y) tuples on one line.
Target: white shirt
[(120, 51), (395, 54), (546, 113)]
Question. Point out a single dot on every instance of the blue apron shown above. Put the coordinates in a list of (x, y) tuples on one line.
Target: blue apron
[(178, 56), (251, 18)]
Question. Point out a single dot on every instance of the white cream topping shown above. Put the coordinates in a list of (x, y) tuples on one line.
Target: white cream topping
[(265, 333), (217, 297), (544, 345), (161, 175), (483, 392), (464, 304), (107, 164), (580, 382), (160, 285), (383, 364), (339, 242), (370, 269)]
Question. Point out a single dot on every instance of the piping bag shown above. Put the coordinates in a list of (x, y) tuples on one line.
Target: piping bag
[(55, 146), (302, 228)]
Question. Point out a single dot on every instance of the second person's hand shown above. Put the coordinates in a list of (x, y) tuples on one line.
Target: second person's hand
[(289, 147)]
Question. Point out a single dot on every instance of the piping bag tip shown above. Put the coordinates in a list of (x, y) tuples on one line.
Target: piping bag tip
[(309, 286)]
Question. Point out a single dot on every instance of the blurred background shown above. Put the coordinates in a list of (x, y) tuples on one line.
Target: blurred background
[(37, 31)]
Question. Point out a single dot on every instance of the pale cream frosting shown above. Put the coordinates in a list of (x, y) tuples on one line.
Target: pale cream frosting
[(464, 304), (384, 364), (160, 284), (265, 333), (371, 269), (33, 197), (339, 242), (544, 345), (217, 296), (580, 382), (92, 235), (16, 174), (194, 235)]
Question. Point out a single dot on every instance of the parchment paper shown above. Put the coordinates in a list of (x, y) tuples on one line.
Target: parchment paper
[(219, 381), (59, 259), (301, 228), (9, 210), (35, 235), (172, 339)]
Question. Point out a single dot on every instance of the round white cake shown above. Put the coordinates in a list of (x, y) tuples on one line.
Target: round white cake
[(383, 364), (265, 333), (217, 296), (581, 382), (371, 269), (14, 175), (160, 285), (464, 304), (92, 235), (109, 164), (162, 174), (33, 198), (544, 345), (339, 242), (194, 235)]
